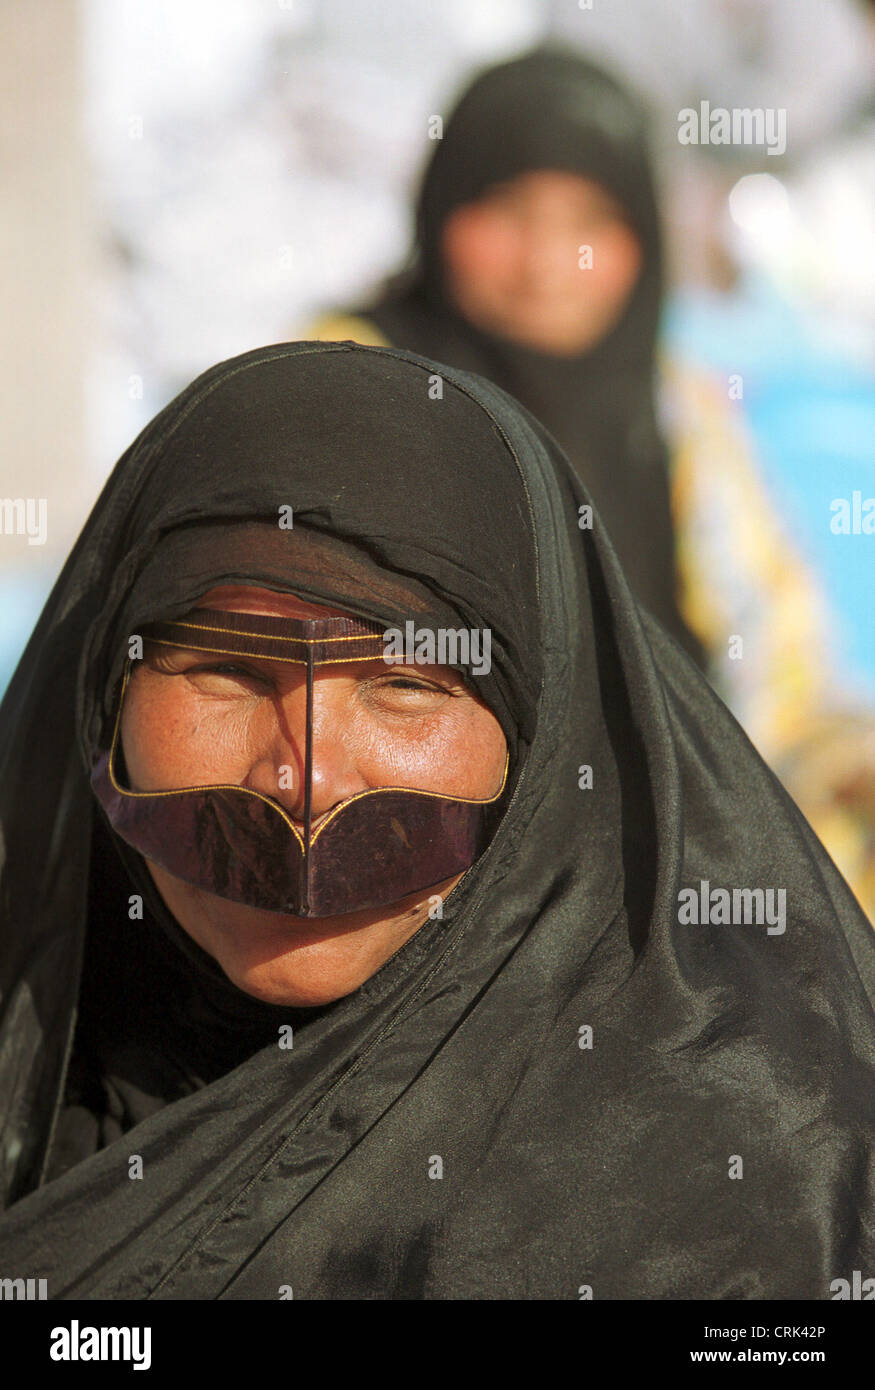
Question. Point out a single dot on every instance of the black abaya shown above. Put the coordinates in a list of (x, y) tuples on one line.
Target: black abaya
[(588, 1067)]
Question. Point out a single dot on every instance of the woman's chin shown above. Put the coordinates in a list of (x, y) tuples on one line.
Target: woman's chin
[(296, 961), (300, 962), (292, 985)]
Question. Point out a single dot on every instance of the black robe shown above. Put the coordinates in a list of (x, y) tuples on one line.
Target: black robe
[(563, 1084)]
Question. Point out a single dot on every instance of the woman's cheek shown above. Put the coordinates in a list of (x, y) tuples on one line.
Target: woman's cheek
[(479, 243), (457, 752), (617, 255), (176, 738)]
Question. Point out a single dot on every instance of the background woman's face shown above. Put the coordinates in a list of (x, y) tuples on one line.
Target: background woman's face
[(513, 258), (191, 719)]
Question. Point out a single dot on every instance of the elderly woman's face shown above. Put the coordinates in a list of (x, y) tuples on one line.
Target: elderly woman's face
[(516, 265), (194, 720)]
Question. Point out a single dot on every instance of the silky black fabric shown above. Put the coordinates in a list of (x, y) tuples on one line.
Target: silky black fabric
[(555, 110), (563, 1165), (157, 1017)]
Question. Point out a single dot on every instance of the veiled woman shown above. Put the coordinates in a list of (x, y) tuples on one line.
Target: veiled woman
[(405, 979)]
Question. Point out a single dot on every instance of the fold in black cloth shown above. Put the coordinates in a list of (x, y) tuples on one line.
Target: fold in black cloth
[(157, 1020)]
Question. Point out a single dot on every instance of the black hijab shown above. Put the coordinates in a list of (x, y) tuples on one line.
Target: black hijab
[(451, 1129), (555, 110)]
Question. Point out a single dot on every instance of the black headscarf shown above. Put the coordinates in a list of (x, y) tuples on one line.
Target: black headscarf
[(548, 1088), (555, 110)]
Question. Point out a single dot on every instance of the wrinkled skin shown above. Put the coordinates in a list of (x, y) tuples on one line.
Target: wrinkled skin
[(192, 719), (512, 261)]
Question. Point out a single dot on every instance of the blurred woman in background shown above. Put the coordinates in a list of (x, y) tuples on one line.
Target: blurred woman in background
[(538, 263)]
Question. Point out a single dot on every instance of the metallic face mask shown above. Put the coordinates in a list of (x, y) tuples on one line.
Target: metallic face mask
[(372, 849)]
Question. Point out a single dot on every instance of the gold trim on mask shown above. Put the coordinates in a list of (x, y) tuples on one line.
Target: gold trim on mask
[(269, 637), (320, 641)]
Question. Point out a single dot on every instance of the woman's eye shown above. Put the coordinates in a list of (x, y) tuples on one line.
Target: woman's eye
[(402, 692), (229, 671), (405, 680)]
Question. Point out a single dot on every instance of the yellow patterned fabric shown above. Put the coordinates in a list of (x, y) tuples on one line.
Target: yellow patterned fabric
[(743, 587), (757, 607)]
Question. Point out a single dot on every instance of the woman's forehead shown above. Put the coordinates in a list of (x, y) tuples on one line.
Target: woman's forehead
[(249, 598)]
